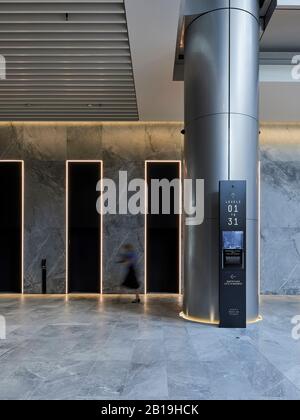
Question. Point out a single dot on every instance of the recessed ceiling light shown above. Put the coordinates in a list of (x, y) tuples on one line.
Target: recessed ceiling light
[(94, 105)]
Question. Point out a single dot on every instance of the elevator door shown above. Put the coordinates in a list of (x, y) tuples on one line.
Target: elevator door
[(162, 235), (11, 227), (84, 230)]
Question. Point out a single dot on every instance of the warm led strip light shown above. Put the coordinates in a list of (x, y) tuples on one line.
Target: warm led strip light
[(180, 221), (259, 231), (22, 218), (208, 322), (22, 229), (67, 221)]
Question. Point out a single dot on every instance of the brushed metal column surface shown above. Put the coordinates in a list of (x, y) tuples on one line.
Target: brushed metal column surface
[(244, 157), (206, 62), (244, 68), (198, 7), (201, 298), (201, 294), (221, 142), (250, 6), (194, 8), (204, 156)]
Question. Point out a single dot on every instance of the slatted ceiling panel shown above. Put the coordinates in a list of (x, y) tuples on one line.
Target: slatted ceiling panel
[(66, 60)]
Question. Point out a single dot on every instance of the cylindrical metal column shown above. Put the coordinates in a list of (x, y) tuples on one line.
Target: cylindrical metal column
[(221, 142)]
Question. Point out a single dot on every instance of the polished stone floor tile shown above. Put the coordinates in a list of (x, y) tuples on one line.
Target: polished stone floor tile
[(146, 381), (107, 379), (148, 351), (180, 349), (86, 347), (227, 381), (116, 349), (266, 380), (188, 380)]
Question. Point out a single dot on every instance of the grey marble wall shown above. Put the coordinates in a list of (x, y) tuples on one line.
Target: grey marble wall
[(280, 208), (45, 147)]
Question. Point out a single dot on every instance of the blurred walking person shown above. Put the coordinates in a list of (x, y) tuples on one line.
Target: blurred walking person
[(128, 257)]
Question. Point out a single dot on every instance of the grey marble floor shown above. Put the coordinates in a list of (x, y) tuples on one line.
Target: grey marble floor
[(91, 348)]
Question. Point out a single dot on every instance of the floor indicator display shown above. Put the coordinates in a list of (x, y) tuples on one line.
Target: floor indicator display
[(233, 312)]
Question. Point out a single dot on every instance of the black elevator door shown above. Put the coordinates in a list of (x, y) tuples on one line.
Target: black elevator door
[(84, 228), (163, 235), (11, 227)]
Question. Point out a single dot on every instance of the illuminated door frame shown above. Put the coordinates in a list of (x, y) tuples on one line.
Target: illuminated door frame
[(67, 221), (22, 217), (259, 233), (147, 162)]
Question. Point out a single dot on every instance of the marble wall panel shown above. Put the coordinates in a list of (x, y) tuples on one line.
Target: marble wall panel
[(11, 141), (45, 141), (164, 140), (45, 194), (121, 229), (44, 242), (84, 141), (44, 224), (280, 208), (46, 146), (122, 143)]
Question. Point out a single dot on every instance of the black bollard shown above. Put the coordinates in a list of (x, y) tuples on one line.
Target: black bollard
[(44, 277)]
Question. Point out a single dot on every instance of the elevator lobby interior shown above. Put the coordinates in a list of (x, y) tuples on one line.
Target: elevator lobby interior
[(99, 100)]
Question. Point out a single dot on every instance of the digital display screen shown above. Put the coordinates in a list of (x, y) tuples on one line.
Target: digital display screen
[(233, 240)]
